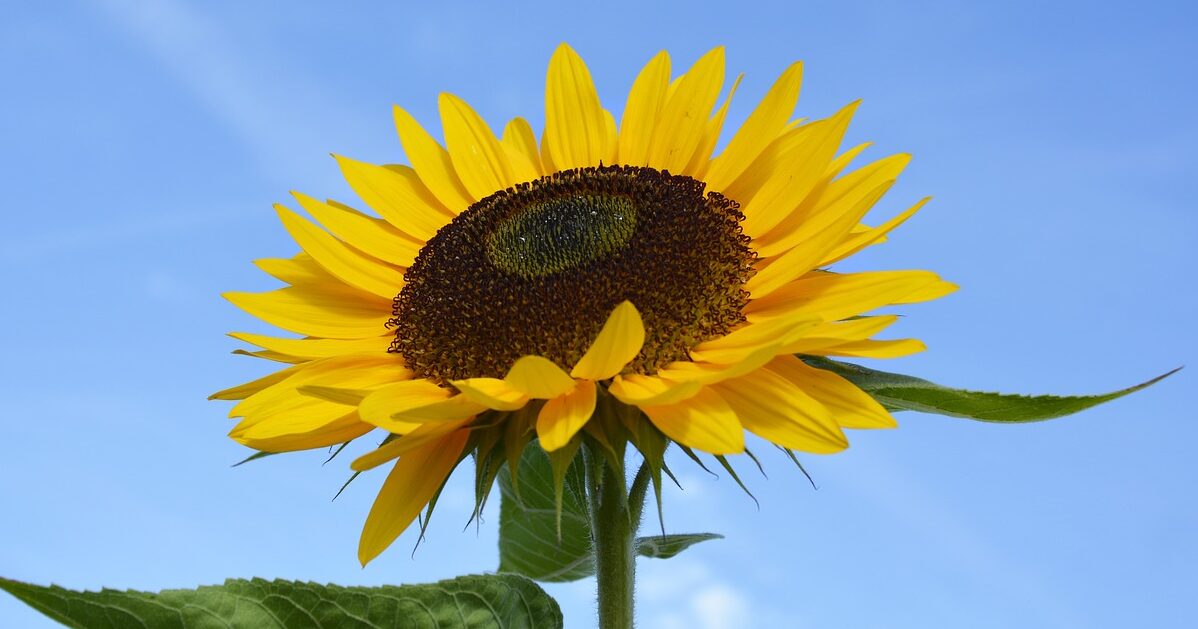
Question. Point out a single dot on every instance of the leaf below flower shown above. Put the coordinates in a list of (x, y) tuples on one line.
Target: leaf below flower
[(906, 393), (528, 533), (666, 546), (502, 601), (529, 542)]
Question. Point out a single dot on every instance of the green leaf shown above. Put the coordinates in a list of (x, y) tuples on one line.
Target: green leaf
[(732, 472), (905, 393), (528, 529), (647, 439), (477, 601), (565, 465), (666, 546), (254, 457), (528, 537)]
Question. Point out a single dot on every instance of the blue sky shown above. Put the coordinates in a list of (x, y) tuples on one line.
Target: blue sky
[(146, 141)]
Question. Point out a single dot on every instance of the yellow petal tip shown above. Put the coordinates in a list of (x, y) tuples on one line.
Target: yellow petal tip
[(301, 197)]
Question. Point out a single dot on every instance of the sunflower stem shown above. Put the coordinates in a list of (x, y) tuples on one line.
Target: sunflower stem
[(615, 554)]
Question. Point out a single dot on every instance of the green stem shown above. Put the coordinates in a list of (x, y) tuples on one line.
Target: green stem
[(615, 558)]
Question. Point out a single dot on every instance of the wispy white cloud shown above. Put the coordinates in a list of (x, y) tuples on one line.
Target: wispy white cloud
[(718, 605), (686, 594), (274, 113), (943, 527), (91, 237)]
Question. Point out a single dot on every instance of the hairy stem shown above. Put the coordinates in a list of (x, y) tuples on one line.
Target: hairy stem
[(615, 555)]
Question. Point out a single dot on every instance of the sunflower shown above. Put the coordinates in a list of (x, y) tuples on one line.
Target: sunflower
[(508, 288)]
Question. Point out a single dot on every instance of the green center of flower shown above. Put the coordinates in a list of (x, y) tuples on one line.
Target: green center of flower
[(561, 233), (536, 269)]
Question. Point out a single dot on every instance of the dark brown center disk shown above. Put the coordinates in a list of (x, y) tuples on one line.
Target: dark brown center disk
[(536, 269)]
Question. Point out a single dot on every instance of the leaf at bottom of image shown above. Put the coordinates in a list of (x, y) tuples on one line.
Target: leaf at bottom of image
[(503, 601)]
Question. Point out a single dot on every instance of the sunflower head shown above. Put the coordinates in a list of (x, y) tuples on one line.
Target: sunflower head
[(536, 269), (613, 283)]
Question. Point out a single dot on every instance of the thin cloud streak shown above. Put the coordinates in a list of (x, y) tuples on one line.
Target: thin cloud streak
[(927, 516), (273, 114), (87, 237)]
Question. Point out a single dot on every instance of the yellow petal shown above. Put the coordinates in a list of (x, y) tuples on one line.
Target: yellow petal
[(704, 422), (645, 102), (370, 235), (311, 349), (850, 406), (419, 437), (546, 158), (765, 123), (782, 237), (299, 421), (539, 377), (701, 160), (408, 488), (521, 145), (741, 342), (929, 292), (575, 130), (397, 194), (839, 332), (362, 371), (269, 355), (432, 163), (492, 393), (351, 267), (563, 416), (481, 163), (777, 410), (796, 175), (684, 117), (805, 255), (641, 390), (844, 159), (837, 197), (870, 348), (858, 241), (285, 408), (242, 391), (613, 137), (301, 269), (346, 396), (399, 407), (754, 177), (710, 373), (318, 310), (835, 296), (339, 431), (618, 342)]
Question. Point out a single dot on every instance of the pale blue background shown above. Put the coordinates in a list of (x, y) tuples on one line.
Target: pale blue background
[(144, 142)]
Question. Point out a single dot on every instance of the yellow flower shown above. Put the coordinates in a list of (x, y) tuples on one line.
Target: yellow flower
[(508, 287)]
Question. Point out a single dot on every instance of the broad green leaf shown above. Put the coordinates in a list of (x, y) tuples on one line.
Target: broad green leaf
[(477, 601), (528, 529), (666, 546), (906, 393)]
